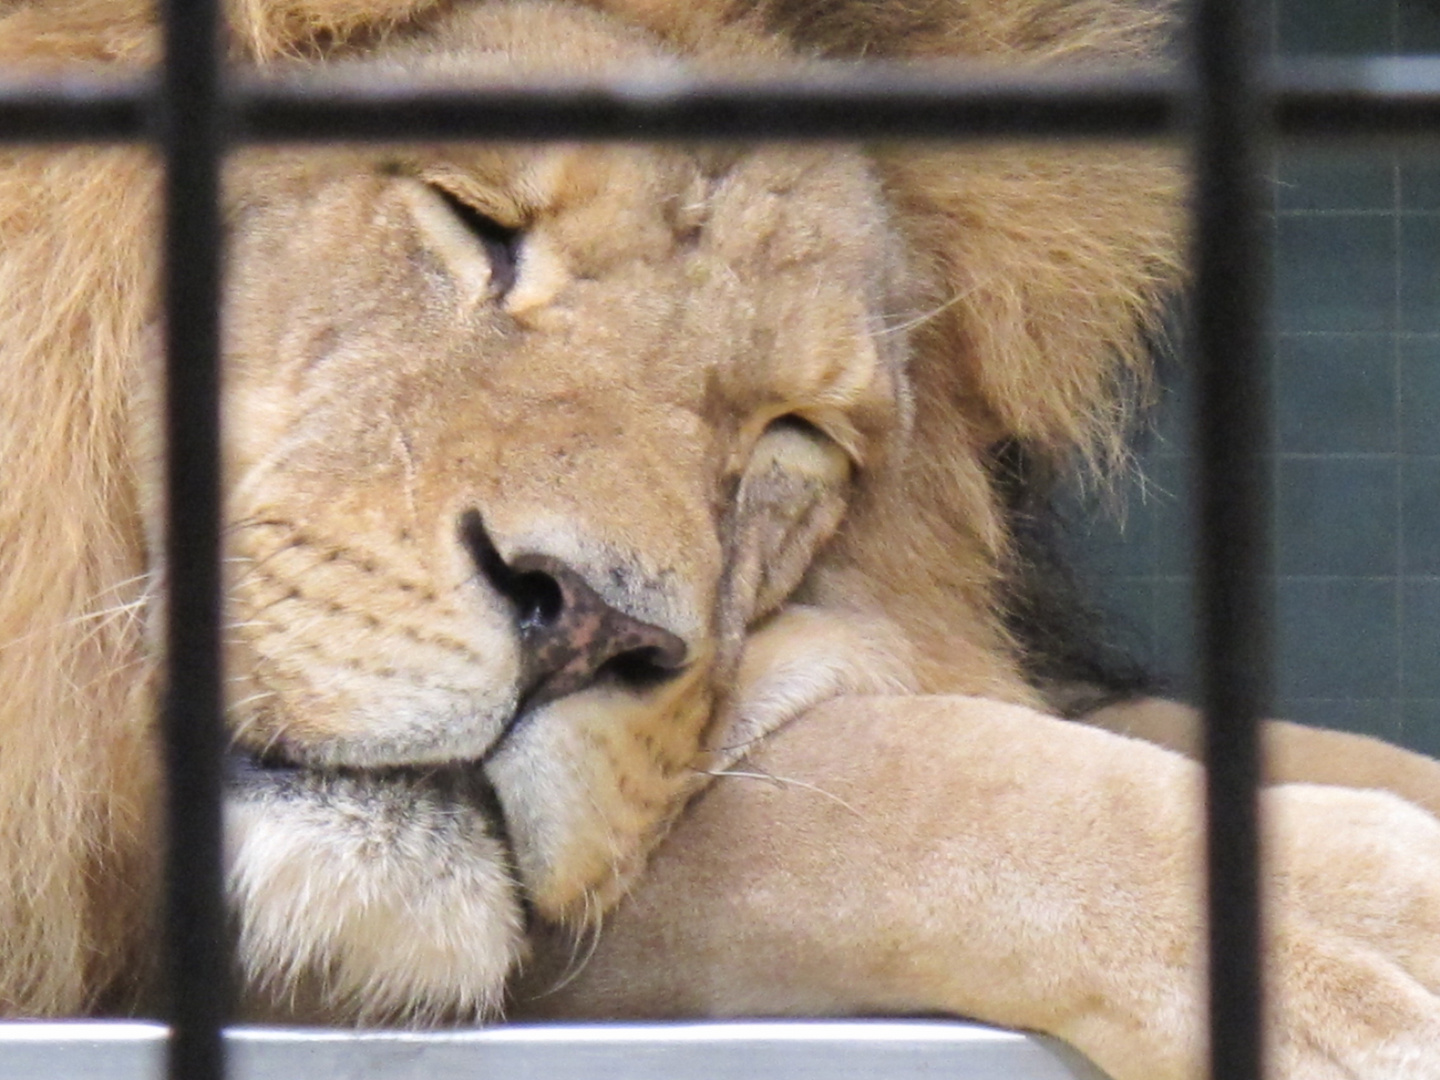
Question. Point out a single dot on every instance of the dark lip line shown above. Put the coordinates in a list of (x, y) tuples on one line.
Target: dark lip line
[(240, 762), (240, 759)]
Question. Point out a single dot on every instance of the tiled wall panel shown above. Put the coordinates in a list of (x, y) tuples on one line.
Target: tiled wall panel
[(1356, 377)]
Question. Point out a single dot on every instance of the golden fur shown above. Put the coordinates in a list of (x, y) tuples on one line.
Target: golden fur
[(796, 363)]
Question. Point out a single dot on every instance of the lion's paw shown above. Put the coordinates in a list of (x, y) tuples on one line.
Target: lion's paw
[(370, 902), (1355, 935)]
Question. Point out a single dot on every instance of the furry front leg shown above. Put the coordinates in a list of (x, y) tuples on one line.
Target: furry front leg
[(1294, 753), (949, 854)]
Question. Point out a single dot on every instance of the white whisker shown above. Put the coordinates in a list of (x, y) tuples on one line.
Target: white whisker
[(784, 781)]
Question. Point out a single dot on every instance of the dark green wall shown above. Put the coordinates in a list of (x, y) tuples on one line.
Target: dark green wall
[(1356, 376)]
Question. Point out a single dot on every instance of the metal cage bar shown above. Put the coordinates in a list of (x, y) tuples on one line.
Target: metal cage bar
[(1231, 435), (1394, 98), (197, 962), (1317, 99)]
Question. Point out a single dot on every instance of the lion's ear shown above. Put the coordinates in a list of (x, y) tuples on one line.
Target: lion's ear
[(789, 502)]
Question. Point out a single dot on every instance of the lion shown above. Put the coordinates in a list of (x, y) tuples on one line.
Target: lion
[(570, 488)]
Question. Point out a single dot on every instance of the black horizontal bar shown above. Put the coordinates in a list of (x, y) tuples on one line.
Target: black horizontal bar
[(1388, 97), (76, 108), (1393, 97), (853, 103)]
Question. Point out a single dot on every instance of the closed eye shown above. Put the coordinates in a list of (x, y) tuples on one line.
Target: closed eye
[(831, 428), (501, 243), (798, 424)]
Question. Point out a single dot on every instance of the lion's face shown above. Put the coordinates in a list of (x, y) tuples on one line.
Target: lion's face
[(522, 442)]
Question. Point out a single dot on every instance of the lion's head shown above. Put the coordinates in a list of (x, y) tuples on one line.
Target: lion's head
[(555, 473), (513, 468)]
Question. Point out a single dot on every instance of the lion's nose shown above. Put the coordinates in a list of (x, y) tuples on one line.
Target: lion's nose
[(570, 636)]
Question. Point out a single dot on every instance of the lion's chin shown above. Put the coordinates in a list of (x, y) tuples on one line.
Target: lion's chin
[(374, 895)]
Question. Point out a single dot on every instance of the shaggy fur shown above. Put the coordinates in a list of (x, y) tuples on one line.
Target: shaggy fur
[(801, 362)]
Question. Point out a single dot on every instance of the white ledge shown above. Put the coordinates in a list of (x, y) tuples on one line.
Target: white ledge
[(737, 1050)]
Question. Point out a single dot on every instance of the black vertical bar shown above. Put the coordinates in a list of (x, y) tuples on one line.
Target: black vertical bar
[(1232, 433), (196, 962)]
